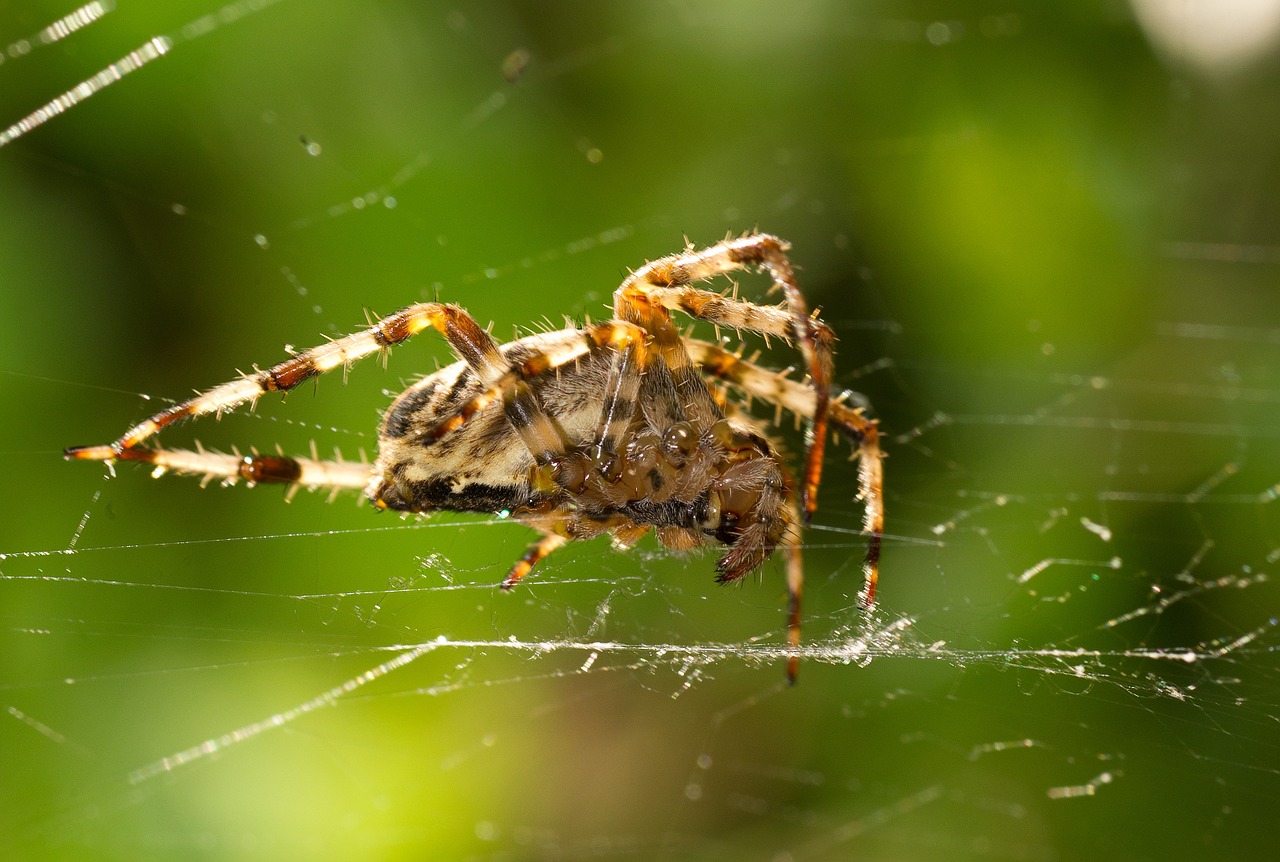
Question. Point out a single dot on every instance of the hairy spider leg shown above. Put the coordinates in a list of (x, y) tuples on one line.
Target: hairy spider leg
[(645, 298), (254, 469), (667, 281), (774, 388), (646, 392), (541, 436), (537, 552), (790, 539), (466, 338), (795, 585), (544, 438), (678, 402), (674, 383), (630, 361)]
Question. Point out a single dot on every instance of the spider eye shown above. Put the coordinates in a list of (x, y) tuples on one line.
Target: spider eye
[(679, 440)]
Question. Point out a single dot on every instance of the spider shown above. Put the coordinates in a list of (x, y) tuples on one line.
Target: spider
[(617, 428)]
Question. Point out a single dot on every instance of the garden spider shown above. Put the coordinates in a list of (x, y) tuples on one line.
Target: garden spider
[(618, 427)]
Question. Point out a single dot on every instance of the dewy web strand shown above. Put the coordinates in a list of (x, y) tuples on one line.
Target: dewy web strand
[(152, 49), (131, 62)]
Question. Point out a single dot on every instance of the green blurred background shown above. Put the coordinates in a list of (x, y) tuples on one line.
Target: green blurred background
[(1047, 242)]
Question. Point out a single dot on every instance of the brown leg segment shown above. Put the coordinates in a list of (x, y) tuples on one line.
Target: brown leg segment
[(795, 592), (666, 282), (537, 552), (790, 544), (518, 384), (691, 401), (255, 469), (801, 399), (467, 339), (630, 358)]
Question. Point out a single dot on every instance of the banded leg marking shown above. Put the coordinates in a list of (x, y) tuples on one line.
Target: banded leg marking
[(771, 387), (630, 358), (666, 282), (692, 401), (527, 411), (465, 337), (544, 439), (255, 469), (795, 590), (537, 552)]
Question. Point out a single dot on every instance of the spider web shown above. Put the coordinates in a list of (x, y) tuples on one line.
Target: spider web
[(1071, 345)]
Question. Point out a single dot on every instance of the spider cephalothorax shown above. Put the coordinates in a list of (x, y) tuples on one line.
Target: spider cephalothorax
[(616, 428)]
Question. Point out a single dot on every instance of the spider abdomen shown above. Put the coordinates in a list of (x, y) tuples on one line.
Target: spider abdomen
[(433, 455)]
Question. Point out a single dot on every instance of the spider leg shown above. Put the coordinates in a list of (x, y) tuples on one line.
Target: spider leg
[(666, 283), (466, 338), (790, 544), (559, 528), (551, 449), (537, 552), (630, 361), (800, 399), (255, 469), (795, 588), (672, 384)]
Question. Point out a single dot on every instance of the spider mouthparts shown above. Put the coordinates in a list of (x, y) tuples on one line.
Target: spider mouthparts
[(89, 453)]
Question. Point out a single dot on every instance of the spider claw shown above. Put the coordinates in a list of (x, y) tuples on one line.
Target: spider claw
[(90, 453)]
